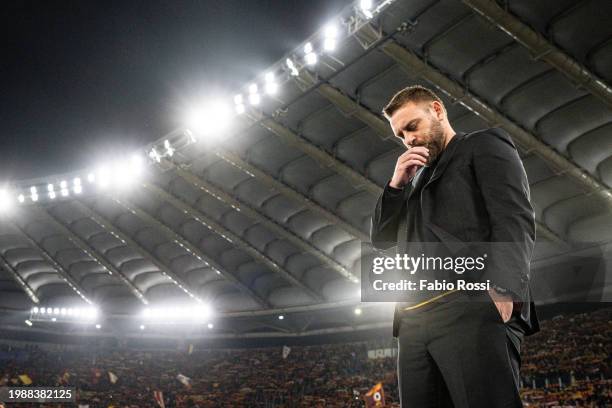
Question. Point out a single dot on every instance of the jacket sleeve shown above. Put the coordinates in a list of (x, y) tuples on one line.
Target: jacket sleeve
[(504, 187), (385, 221)]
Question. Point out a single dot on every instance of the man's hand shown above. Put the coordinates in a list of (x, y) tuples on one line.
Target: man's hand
[(503, 303), (407, 165)]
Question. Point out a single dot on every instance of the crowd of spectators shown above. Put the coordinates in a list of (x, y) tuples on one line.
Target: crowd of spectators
[(566, 364)]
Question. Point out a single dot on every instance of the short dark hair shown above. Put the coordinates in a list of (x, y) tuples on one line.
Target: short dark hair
[(414, 93)]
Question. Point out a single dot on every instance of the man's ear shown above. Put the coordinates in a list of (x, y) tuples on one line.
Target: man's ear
[(438, 110)]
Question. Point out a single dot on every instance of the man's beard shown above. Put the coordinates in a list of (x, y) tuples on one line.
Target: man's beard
[(434, 141)]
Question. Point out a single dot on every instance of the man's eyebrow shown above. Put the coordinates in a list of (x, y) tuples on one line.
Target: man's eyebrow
[(413, 122)]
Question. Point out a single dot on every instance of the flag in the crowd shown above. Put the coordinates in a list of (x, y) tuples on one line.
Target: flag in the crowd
[(375, 397), (65, 377), (159, 398), (25, 379), (112, 377), (183, 379), (190, 349), (286, 351)]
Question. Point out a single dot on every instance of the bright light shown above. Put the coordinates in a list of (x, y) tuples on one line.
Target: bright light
[(52, 195), (63, 311), (49, 310), (366, 8), (358, 311), (33, 190), (42, 310), (292, 68), (34, 197), (240, 109), (20, 198), (63, 184), (35, 310), (281, 317), (54, 319), (210, 325), (56, 311), (154, 155), (5, 201), (98, 326), (254, 99), (311, 57), (50, 187), (91, 177), (76, 181), (142, 327), (331, 33), (271, 85), (78, 189), (29, 323), (103, 177), (238, 100), (169, 149), (212, 119), (65, 192)]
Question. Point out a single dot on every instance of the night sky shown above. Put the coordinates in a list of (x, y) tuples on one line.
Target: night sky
[(82, 80)]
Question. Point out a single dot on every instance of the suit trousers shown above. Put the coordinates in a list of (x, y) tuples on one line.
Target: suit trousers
[(459, 353)]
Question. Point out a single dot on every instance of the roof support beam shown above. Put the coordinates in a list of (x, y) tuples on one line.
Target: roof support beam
[(108, 225), (287, 191), (227, 234), (542, 49), (89, 250), (74, 285), (270, 224)]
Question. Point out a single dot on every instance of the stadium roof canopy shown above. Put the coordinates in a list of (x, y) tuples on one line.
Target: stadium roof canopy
[(268, 219)]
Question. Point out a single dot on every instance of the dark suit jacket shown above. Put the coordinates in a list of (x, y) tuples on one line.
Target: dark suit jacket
[(477, 193)]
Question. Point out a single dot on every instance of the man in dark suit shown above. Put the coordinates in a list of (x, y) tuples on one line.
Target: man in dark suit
[(458, 348)]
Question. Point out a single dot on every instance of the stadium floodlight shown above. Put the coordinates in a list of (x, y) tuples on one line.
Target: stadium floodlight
[(49, 310), (42, 310), (281, 317), (70, 311), (5, 201), (98, 326), (211, 119), (90, 313), (238, 100), (254, 99), (102, 177), (91, 178), (63, 184), (271, 85), (56, 311), (28, 322), (169, 149), (366, 8), (311, 57), (331, 33), (154, 155), (292, 68), (240, 109), (54, 319), (210, 325), (76, 181), (50, 187), (65, 192), (33, 190), (77, 189), (253, 88), (358, 311), (142, 327), (35, 310), (21, 198), (34, 197), (63, 311)]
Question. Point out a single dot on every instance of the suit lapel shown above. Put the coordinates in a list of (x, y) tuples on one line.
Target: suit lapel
[(417, 181)]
